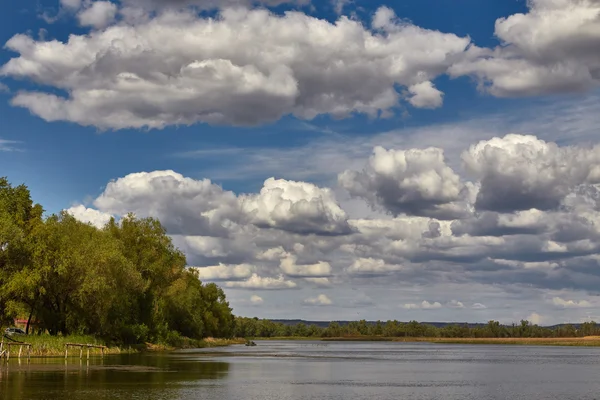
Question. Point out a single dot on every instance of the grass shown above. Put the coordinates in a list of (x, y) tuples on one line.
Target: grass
[(591, 341), (47, 345), (212, 342), (54, 346)]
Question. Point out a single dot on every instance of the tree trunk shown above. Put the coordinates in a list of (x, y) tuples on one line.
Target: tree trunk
[(29, 321)]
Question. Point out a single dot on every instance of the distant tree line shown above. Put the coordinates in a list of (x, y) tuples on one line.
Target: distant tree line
[(125, 282), (254, 327)]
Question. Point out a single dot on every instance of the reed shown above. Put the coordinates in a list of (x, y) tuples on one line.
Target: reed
[(212, 342), (51, 346)]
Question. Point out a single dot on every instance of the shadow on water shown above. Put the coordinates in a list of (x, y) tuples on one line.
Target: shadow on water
[(115, 377)]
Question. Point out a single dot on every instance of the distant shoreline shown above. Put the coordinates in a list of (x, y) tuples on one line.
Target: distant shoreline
[(588, 341)]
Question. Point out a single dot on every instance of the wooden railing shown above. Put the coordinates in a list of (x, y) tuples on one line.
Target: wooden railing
[(81, 346), (6, 347)]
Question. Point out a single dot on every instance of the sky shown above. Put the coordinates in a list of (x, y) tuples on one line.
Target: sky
[(427, 160)]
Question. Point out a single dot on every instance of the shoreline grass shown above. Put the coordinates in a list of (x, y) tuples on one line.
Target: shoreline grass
[(589, 341), (54, 346)]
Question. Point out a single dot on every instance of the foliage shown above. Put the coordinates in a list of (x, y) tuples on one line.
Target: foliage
[(125, 283), (254, 327)]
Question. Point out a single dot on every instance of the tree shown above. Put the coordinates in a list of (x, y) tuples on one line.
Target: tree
[(125, 282)]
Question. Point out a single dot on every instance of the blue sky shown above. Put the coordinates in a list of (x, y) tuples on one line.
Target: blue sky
[(78, 161), (459, 72)]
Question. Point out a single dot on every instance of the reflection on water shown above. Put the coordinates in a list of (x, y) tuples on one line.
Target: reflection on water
[(316, 370), (115, 377)]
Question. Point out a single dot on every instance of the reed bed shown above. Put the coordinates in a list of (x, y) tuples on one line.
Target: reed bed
[(53, 346)]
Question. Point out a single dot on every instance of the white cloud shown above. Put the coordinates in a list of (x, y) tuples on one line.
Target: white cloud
[(184, 205), (371, 266), (256, 300), (520, 172), (319, 282), (71, 4), (244, 67), (455, 304), (540, 250), (4, 88), (317, 270), (414, 182), (478, 306), (559, 302), (535, 318), (153, 5), (89, 215), (339, 5), (320, 300), (99, 14), (384, 19), (424, 305), (550, 49), (224, 272), (296, 207), (8, 145), (267, 283), (425, 95)]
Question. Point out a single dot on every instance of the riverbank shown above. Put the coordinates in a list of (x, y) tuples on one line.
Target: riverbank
[(54, 346), (591, 341)]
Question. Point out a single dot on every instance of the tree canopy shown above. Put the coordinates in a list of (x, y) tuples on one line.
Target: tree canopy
[(125, 282)]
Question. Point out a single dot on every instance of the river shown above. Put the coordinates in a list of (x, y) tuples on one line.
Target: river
[(306, 370)]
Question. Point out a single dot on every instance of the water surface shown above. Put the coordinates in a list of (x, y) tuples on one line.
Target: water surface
[(306, 370)]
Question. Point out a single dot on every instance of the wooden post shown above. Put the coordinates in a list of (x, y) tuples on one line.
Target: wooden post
[(80, 352), (88, 354), (29, 353), (66, 351), (103, 352), (20, 351)]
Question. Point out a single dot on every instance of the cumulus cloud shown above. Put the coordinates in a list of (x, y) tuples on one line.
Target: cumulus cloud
[(425, 95), (320, 300), (550, 49), (98, 14), (320, 269), (412, 182), (478, 306), (259, 240), (455, 304), (183, 205), (256, 300), (89, 215), (519, 172), (243, 67), (298, 207), (559, 302), (371, 266), (224, 272), (256, 282), (424, 305), (535, 318), (319, 282)]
